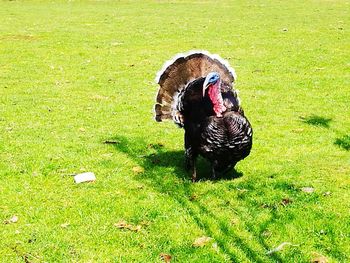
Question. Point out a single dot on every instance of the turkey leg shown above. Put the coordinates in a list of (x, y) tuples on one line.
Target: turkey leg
[(190, 157), (190, 163)]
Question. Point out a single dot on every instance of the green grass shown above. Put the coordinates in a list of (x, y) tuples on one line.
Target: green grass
[(75, 74)]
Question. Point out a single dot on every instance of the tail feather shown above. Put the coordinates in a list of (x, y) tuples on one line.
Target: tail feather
[(177, 73)]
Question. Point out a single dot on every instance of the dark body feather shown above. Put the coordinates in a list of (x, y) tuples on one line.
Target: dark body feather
[(224, 138)]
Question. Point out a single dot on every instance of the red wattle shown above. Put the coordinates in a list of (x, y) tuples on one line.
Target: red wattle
[(216, 98)]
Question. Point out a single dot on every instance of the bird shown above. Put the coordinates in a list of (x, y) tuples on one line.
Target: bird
[(196, 91)]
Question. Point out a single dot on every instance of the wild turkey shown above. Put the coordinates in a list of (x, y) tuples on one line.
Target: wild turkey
[(196, 92)]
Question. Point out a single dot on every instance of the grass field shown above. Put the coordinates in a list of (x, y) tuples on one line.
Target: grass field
[(76, 74)]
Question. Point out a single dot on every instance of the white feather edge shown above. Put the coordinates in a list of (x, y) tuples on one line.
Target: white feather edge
[(191, 52)]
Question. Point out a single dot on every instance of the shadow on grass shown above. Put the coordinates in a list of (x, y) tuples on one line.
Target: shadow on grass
[(152, 157), (343, 142), (317, 121)]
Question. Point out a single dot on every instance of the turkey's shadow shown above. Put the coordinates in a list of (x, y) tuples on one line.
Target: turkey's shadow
[(153, 155), (161, 164)]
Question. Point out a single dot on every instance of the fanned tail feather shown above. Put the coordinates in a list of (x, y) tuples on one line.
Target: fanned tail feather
[(178, 72)]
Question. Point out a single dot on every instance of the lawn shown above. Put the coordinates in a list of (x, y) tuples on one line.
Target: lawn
[(76, 95)]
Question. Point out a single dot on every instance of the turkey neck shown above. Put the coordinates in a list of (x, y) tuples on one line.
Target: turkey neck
[(215, 97)]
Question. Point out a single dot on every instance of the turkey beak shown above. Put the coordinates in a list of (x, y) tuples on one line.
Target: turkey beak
[(204, 89), (205, 86)]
